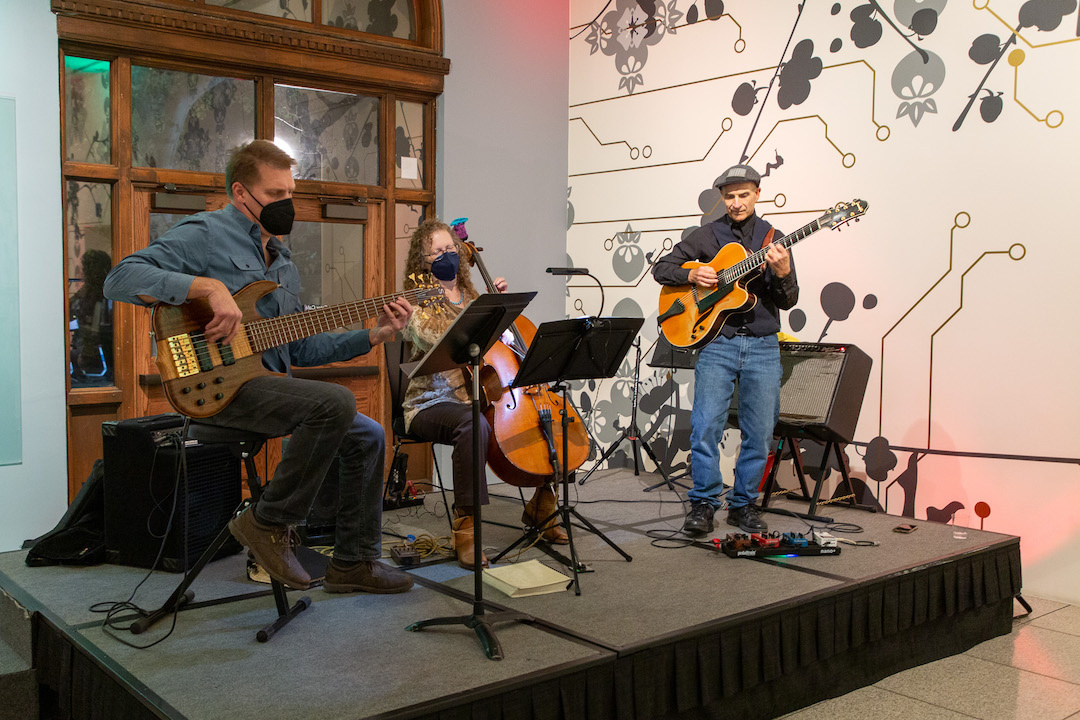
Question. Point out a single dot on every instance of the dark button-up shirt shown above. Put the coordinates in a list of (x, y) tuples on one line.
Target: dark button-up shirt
[(225, 245)]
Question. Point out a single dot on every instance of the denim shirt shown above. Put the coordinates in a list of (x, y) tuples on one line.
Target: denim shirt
[(225, 245)]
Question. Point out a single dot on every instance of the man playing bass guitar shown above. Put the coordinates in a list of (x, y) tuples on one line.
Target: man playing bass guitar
[(746, 349), (209, 257)]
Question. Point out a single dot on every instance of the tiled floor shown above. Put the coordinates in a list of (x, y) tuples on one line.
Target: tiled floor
[(1034, 672)]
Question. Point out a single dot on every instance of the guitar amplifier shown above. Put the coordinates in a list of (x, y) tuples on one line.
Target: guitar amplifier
[(144, 481), (821, 392)]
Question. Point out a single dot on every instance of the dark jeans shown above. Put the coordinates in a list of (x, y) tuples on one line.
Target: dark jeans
[(322, 420), (450, 423)]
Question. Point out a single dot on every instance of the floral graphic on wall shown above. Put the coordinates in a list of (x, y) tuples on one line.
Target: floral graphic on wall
[(627, 32)]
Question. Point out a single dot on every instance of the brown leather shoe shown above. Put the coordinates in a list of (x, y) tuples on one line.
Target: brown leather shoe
[(465, 541), (272, 546), (368, 576), (542, 504)]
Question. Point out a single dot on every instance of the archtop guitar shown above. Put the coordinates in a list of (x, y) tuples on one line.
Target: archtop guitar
[(201, 378), (692, 316)]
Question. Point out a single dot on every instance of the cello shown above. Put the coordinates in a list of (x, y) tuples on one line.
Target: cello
[(525, 446)]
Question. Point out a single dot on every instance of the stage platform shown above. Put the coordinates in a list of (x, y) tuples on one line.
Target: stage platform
[(679, 632)]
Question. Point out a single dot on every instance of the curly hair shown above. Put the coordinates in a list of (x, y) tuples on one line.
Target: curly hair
[(421, 243)]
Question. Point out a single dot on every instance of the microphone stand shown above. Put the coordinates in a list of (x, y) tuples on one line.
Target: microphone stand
[(581, 271)]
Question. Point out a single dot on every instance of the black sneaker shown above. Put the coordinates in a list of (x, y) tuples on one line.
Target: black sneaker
[(747, 518), (699, 521)]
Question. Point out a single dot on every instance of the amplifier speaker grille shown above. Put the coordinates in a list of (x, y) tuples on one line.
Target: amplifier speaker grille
[(821, 392), (140, 485)]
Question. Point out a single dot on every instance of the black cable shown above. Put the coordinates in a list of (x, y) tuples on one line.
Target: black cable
[(589, 24), (114, 608)]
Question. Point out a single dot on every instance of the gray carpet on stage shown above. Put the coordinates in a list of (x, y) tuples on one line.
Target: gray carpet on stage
[(349, 656)]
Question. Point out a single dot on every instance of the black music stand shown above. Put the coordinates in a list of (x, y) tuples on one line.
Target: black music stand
[(633, 433), (471, 335), (563, 350), (670, 357)]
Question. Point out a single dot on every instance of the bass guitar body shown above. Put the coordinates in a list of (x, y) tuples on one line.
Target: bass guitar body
[(691, 316), (201, 378), (518, 450)]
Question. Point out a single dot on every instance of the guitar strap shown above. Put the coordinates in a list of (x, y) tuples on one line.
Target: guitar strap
[(768, 237)]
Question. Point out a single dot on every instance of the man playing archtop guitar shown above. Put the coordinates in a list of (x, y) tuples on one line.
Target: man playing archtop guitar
[(739, 342)]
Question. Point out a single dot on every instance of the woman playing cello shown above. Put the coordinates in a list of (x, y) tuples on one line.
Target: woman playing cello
[(437, 407)]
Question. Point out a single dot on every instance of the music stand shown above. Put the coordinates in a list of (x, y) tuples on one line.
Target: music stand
[(563, 350), (669, 357), (471, 335), (633, 433)]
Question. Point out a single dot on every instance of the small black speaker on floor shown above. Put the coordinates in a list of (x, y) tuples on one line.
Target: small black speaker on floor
[(143, 481)]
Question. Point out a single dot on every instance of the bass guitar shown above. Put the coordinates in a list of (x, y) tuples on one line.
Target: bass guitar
[(201, 377), (692, 316)]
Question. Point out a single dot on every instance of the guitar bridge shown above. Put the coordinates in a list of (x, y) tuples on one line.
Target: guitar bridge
[(183, 354)]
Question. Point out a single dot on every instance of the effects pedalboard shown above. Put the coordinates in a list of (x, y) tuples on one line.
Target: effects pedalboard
[(775, 544)]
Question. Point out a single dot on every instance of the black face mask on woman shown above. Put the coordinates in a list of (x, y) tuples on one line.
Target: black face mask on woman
[(276, 217)]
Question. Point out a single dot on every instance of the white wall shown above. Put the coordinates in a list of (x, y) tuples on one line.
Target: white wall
[(501, 157), (960, 277), (33, 494)]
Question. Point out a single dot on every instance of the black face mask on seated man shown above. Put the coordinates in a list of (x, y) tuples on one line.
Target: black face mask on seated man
[(276, 217)]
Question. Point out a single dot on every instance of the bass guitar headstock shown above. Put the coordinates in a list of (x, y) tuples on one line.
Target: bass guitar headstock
[(425, 290), (843, 213)]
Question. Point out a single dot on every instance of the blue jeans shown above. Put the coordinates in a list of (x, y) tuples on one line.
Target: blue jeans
[(756, 363), (322, 420)]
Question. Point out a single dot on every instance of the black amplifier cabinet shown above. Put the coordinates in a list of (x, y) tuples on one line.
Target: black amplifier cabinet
[(821, 392), (142, 481)]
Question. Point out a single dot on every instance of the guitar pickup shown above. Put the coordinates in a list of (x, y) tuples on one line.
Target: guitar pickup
[(202, 354), (225, 350)]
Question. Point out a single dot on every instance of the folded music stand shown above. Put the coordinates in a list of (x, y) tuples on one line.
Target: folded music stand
[(471, 335), (563, 350), (669, 357)]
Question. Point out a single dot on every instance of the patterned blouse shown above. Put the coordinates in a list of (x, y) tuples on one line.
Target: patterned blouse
[(424, 329)]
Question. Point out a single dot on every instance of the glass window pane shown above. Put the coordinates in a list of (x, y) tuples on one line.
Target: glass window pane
[(87, 113), (330, 258), (409, 145), (291, 9), (391, 18), (186, 121), (89, 253), (406, 219), (333, 136), (160, 222)]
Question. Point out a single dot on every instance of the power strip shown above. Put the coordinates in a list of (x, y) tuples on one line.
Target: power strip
[(404, 502)]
